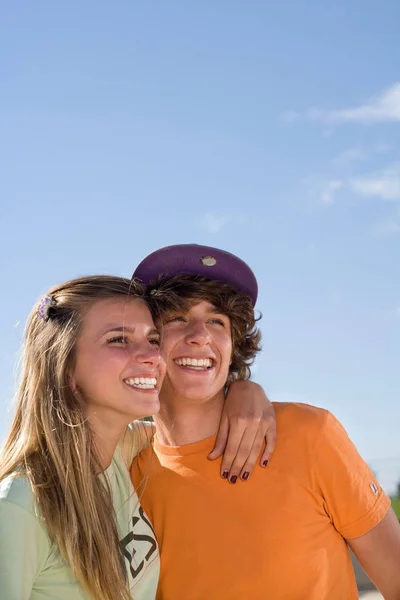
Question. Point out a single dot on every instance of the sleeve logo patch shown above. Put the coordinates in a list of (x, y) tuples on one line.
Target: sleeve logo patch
[(374, 487)]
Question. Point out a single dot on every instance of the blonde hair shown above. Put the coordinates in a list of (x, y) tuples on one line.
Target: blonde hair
[(51, 443)]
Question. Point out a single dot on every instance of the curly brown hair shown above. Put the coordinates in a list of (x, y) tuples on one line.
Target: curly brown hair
[(168, 295)]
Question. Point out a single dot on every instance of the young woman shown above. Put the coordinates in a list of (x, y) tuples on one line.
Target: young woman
[(71, 526)]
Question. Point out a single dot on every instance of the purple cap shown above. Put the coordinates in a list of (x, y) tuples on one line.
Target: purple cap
[(192, 259)]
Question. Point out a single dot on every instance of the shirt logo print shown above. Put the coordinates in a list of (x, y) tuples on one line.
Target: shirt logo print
[(374, 487), (140, 539)]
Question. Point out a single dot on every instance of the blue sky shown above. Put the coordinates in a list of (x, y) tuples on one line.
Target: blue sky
[(268, 129)]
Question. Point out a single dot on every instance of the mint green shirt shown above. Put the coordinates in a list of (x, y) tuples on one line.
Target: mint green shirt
[(31, 568)]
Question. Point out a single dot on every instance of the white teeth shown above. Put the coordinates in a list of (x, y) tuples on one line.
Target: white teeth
[(143, 383), (199, 363)]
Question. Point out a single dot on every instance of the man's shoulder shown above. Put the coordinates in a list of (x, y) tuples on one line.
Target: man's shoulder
[(144, 465), (299, 424), (300, 414)]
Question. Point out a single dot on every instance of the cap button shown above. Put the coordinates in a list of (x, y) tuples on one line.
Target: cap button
[(208, 261)]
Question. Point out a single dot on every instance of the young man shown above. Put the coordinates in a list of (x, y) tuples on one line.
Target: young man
[(285, 534)]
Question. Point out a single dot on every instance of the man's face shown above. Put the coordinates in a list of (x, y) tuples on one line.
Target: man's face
[(197, 348)]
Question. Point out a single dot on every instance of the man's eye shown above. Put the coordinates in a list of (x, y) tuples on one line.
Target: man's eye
[(175, 319), (217, 322), (120, 339)]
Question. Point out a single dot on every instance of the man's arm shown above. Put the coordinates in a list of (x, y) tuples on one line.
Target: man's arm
[(379, 554)]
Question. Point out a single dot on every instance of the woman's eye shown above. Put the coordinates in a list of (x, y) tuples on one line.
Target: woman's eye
[(120, 339), (155, 341)]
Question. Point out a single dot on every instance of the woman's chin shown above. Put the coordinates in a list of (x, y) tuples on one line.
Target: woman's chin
[(147, 408)]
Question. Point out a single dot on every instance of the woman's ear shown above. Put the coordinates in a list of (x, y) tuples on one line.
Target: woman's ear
[(72, 383)]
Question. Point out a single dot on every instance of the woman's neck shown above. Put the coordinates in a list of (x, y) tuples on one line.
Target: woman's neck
[(107, 432)]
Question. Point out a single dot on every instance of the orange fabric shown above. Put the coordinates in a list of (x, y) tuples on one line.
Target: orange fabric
[(279, 535)]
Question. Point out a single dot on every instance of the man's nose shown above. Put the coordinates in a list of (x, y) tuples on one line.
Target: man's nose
[(198, 334)]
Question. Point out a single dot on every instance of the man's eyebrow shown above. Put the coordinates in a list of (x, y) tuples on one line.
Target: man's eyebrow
[(216, 311)]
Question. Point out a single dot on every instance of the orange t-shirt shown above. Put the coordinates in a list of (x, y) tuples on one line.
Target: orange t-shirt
[(278, 536)]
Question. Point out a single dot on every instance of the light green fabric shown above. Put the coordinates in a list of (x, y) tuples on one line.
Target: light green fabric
[(32, 569)]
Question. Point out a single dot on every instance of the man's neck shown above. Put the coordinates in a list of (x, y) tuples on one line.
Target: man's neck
[(180, 422)]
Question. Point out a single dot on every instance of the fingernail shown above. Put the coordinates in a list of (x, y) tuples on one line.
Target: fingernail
[(265, 463), (233, 479), (225, 474), (245, 475)]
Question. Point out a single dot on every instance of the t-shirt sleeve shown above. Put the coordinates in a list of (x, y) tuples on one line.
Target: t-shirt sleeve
[(353, 498), (24, 548), (136, 438)]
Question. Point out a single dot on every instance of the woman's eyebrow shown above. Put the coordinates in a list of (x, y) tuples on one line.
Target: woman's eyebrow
[(154, 332), (121, 328), (125, 329)]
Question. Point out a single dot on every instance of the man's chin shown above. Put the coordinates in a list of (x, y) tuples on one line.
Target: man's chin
[(198, 394)]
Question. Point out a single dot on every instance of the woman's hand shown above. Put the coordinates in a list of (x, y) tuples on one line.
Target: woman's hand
[(248, 418)]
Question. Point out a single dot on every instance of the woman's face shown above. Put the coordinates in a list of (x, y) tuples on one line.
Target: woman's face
[(118, 369)]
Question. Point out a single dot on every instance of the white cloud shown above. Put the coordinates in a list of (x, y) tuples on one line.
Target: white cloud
[(384, 108), (329, 190), (212, 223), (323, 190), (387, 228), (288, 117), (351, 155), (361, 153), (384, 184)]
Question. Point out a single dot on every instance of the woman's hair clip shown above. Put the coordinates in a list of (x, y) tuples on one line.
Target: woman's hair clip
[(45, 306)]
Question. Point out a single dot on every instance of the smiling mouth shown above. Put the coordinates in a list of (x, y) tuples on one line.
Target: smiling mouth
[(197, 364), (142, 383)]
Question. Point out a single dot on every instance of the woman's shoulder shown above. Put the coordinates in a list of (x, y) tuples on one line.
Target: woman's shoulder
[(18, 509), (15, 489), (137, 437)]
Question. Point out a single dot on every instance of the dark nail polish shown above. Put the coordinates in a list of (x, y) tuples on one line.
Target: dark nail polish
[(225, 474), (265, 463), (245, 475), (233, 479)]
